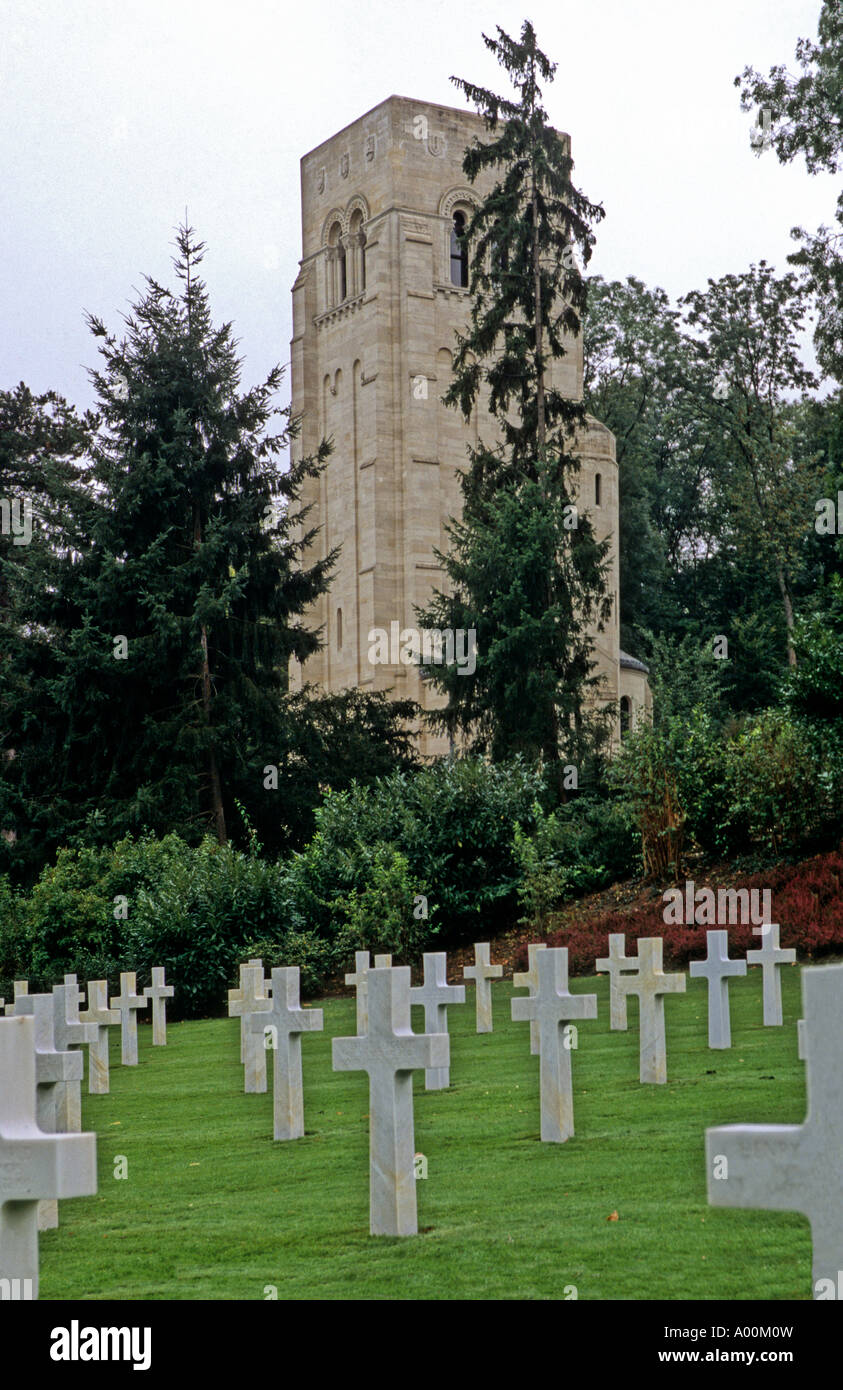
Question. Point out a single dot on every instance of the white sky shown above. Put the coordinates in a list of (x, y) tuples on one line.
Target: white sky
[(116, 114)]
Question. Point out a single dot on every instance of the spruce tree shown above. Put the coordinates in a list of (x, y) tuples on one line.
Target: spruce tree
[(160, 647), (526, 571)]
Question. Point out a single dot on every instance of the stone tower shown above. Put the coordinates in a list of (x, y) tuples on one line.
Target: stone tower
[(379, 296)]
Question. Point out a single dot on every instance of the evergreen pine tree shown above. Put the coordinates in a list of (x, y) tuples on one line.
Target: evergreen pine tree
[(526, 571), (160, 647)]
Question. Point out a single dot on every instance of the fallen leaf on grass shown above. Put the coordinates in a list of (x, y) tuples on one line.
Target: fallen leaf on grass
[(613, 1217)]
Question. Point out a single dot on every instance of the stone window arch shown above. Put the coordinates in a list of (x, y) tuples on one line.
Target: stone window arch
[(626, 715), (464, 202), (357, 253), (339, 629), (337, 280), (459, 249), (598, 488)]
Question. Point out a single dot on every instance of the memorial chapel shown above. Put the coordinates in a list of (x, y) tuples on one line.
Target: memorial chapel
[(381, 291)]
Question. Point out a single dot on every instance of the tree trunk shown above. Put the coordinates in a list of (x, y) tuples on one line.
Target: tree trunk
[(217, 809), (787, 604), (213, 769), (539, 325)]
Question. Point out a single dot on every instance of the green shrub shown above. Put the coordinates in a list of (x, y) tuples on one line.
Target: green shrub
[(675, 779), (390, 913), (15, 944), (311, 953), (583, 845), (78, 906), (774, 780), (196, 921), (453, 825)]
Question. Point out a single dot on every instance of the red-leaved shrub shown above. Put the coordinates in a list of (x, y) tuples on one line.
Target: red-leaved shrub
[(806, 902)]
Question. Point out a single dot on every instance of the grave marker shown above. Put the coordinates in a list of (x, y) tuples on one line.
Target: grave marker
[(253, 997), (550, 1007), (33, 1166), (55, 1069), (483, 972), (358, 978), (616, 961), (21, 991), (159, 993), (770, 956), (529, 979), (390, 1052), (128, 1001), (286, 1020), (69, 1032), (102, 1017), (434, 996), (718, 969), (651, 985), (796, 1167), (235, 996), (73, 985)]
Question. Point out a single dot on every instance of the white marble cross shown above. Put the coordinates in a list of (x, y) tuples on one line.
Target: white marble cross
[(390, 1052), (483, 972), (434, 996), (281, 1027), (73, 984), (55, 1070), (529, 979), (253, 997), (616, 961), (128, 1001), (651, 985), (70, 1032), (551, 1007), (21, 990), (236, 997), (717, 969), (796, 1167), (159, 993), (33, 1166), (102, 1017), (770, 956), (357, 978)]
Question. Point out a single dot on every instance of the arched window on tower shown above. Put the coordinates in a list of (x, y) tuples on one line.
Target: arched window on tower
[(597, 488), (626, 715), (342, 274), (336, 267), (357, 246), (459, 251), (339, 629)]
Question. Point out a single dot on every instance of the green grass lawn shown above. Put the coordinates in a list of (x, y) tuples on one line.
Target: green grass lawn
[(213, 1209)]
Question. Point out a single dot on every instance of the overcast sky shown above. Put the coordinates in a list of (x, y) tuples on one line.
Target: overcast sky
[(118, 114)]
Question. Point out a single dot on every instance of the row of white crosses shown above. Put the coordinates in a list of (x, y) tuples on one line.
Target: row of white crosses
[(717, 969), (43, 1154), (90, 1028), (272, 1019), (387, 1049)]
